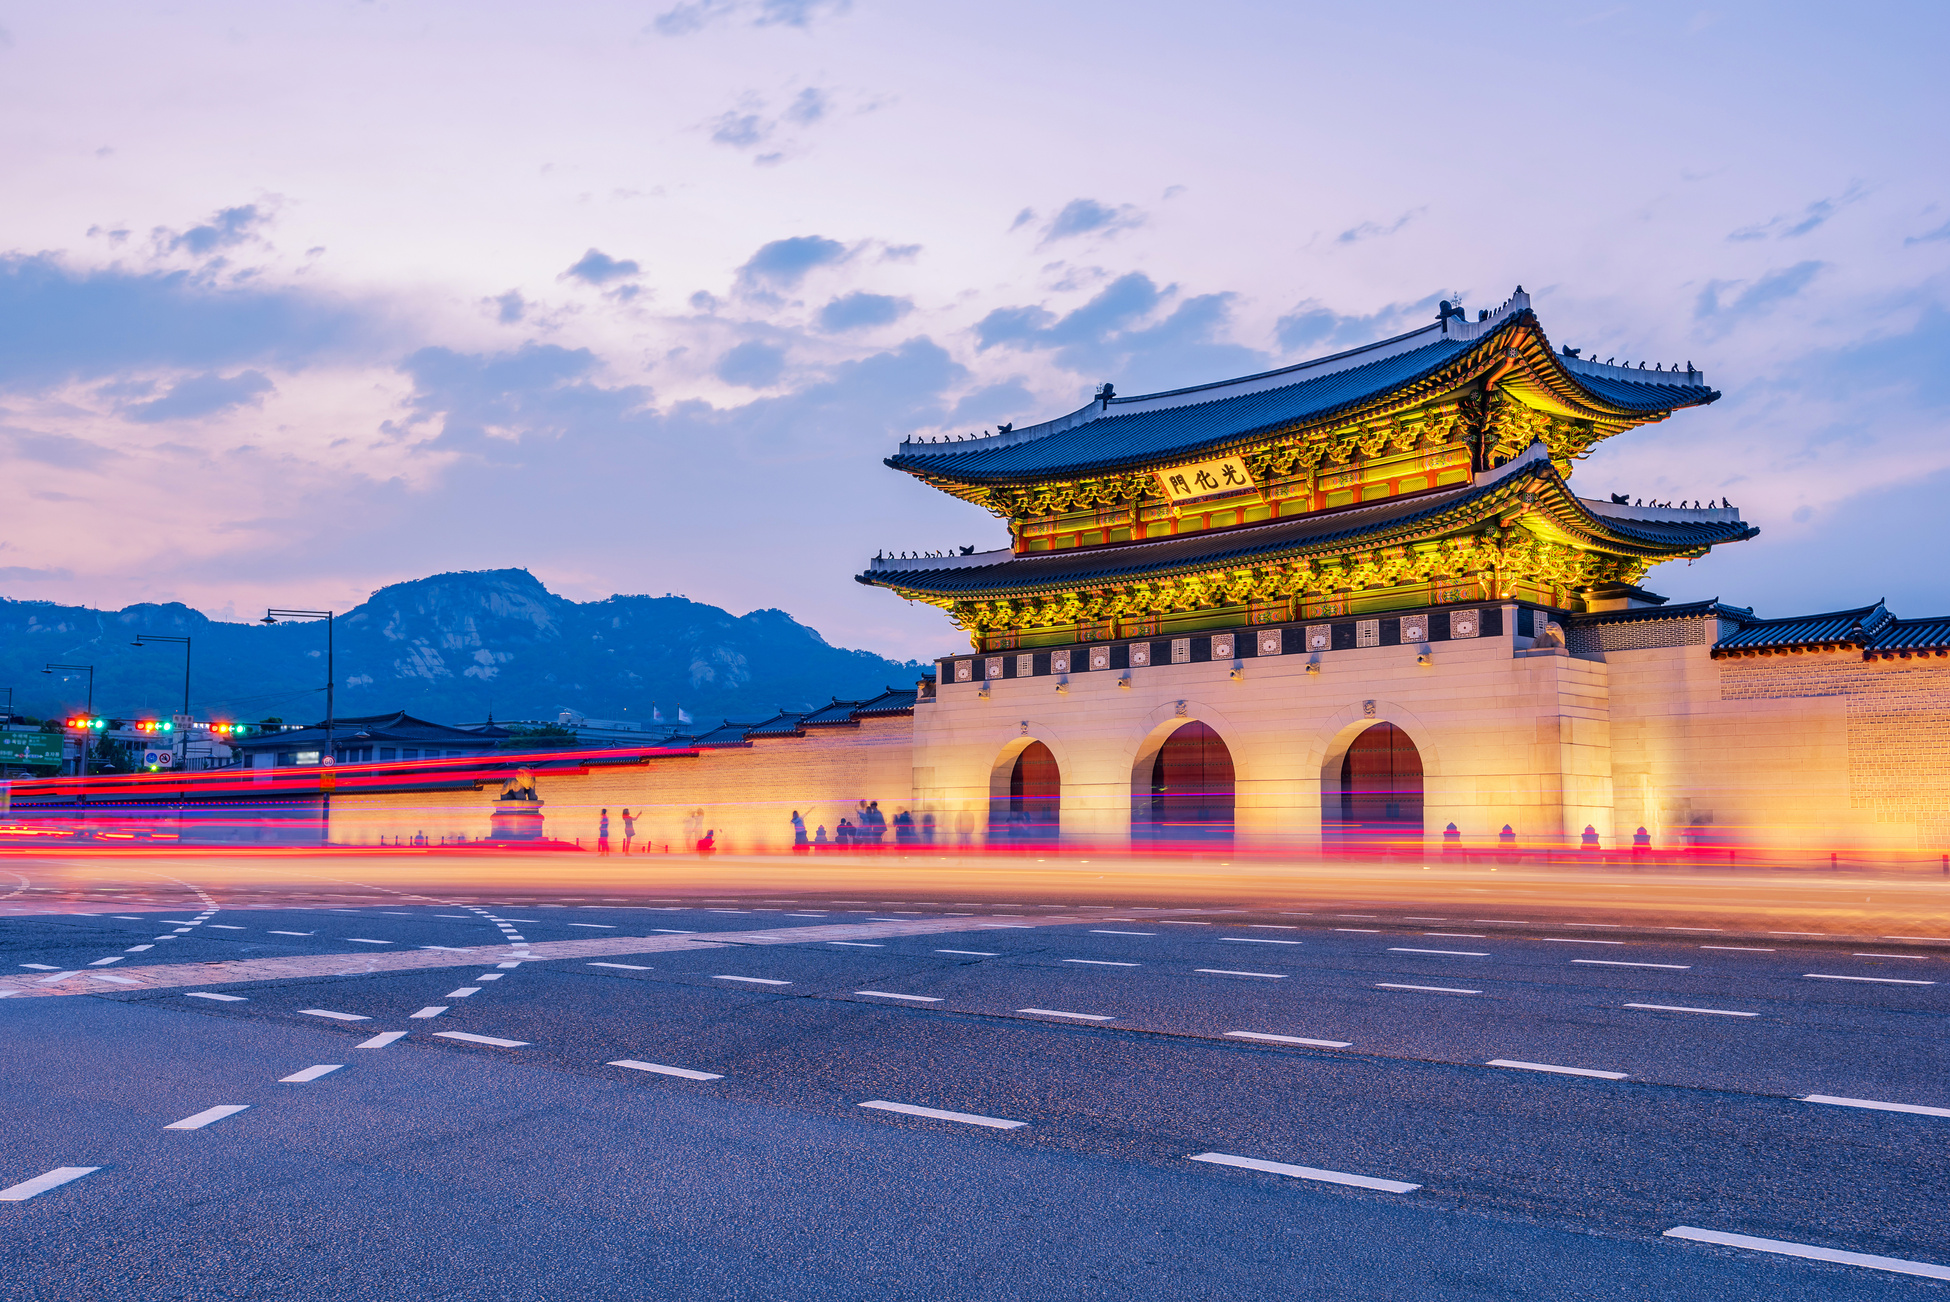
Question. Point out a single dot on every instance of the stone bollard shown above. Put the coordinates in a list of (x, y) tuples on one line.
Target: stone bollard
[(1506, 845), (1589, 841), (1451, 840)]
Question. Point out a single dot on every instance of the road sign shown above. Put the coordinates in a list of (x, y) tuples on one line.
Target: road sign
[(31, 748)]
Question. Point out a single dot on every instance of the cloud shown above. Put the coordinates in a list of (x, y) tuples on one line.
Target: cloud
[(752, 364), (1118, 332), (1088, 217), (782, 264), (25, 574), (1784, 227), (691, 18), (488, 405), (1940, 233), (740, 130), (1771, 289), (1374, 230), (229, 227), (203, 395), (598, 268), (1023, 218), (510, 307), (59, 323), (1312, 325), (808, 106), (62, 451), (857, 311)]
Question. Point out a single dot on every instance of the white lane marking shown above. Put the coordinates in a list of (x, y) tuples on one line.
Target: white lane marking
[(1785, 1248), (41, 967), (1457, 935), (110, 976), (971, 953), (1221, 971), (1100, 962), (207, 1116), (662, 1070), (496, 976), (1440, 990), (605, 926), (1914, 958), (1178, 922), (310, 1073), (629, 967), (483, 1039), (54, 1179), (1261, 940), (888, 994), (515, 963), (1273, 926), (1934, 940), (343, 1017), (1054, 1012), (1457, 953), (672, 931), (940, 1114), (1614, 962), (757, 981), (1610, 926), (1095, 931), (294, 933), (381, 1040), (1839, 1102), (1306, 1172), (431, 1010), (137, 949), (361, 940), (1678, 1008), (56, 979), (1289, 1039), (222, 927), (1365, 931), (1744, 949), (103, 962), (1886, 981), (1561, 1071), (451, 949), (463, 992), (1577, 940), (464, 917), (805, 915), (211, 994), (856, 944), (1693, 928)]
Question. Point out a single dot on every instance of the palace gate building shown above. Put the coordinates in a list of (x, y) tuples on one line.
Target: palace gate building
[(1351, 600)]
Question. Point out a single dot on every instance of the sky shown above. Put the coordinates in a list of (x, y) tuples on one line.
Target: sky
[(300, 300)]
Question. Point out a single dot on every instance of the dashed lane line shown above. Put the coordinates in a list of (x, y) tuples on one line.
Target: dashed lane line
[(889, 994), (207, 1116), (310, 1073), (40, 1184), (631, 967), (1225, 971), (1260, 940), (661, 1070), (1055, 1012), (970, 953), (1306, 1172), (1883, 981), (1100, 932), (1290, 1039), (1560, 1071), (431, 1010), (1453, 953), (1100, 962), (1613, 962), (381, 1040), (1434, 990), (1681, 1008), (483, 1039), (1915, 1108), (757, 981), (342, 1017), (1809, 1251), (211, 994), (941, 1114)]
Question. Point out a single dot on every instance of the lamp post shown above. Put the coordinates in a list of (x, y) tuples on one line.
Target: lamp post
[(88, 732), (144, 639), (325, 754)]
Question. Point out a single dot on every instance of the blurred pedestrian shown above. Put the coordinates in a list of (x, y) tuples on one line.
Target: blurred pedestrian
[(602, 834), (799, 843), (629, 831)]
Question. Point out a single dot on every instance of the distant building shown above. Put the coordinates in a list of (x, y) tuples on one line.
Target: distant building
[(368, 739)]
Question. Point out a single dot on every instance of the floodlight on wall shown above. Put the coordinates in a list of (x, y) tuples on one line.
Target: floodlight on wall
[(1425, 659), (1313, 668)]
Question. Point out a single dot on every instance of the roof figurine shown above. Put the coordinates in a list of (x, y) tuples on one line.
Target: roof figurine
[(1425, 469)]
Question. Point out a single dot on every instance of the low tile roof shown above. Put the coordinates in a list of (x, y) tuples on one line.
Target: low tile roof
[(1837, 628), (1909, 636)]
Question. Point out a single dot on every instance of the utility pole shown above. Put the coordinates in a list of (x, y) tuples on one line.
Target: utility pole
[(87, 731), (144, 639), (326, 755)]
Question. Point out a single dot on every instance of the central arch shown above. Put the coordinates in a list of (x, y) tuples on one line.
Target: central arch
[(1381, 787), (1026, 800), (1189, 794)]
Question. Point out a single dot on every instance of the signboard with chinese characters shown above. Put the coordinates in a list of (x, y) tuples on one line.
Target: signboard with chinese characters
[(1206, 479), (30, 748)]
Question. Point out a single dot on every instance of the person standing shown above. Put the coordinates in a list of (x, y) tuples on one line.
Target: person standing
[(800, 845), (602, 834), (629, 832)]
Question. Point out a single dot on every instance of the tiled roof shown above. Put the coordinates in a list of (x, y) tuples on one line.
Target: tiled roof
[(1857, 627), (781, 725), (893, 701), (1689, 610), (1913, 635), (1131, 562), (1118, 433), (838, 714)]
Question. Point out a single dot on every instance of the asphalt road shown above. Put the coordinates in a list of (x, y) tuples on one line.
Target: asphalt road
[(1145, 1053)]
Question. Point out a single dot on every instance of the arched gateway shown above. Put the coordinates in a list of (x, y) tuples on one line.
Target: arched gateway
[(1030, 813), (1190, 797), (1381, 786)]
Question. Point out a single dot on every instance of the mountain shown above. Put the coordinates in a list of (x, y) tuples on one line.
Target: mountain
[(450, 648)]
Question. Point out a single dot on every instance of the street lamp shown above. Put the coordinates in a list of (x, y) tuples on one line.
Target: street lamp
[(274, 616), (88, 733), (144, 639)]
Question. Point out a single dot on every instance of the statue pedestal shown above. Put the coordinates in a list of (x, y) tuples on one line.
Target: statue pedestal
[(516, 820)]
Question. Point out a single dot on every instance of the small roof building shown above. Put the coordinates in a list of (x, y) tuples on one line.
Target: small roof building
[(368, 739)]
